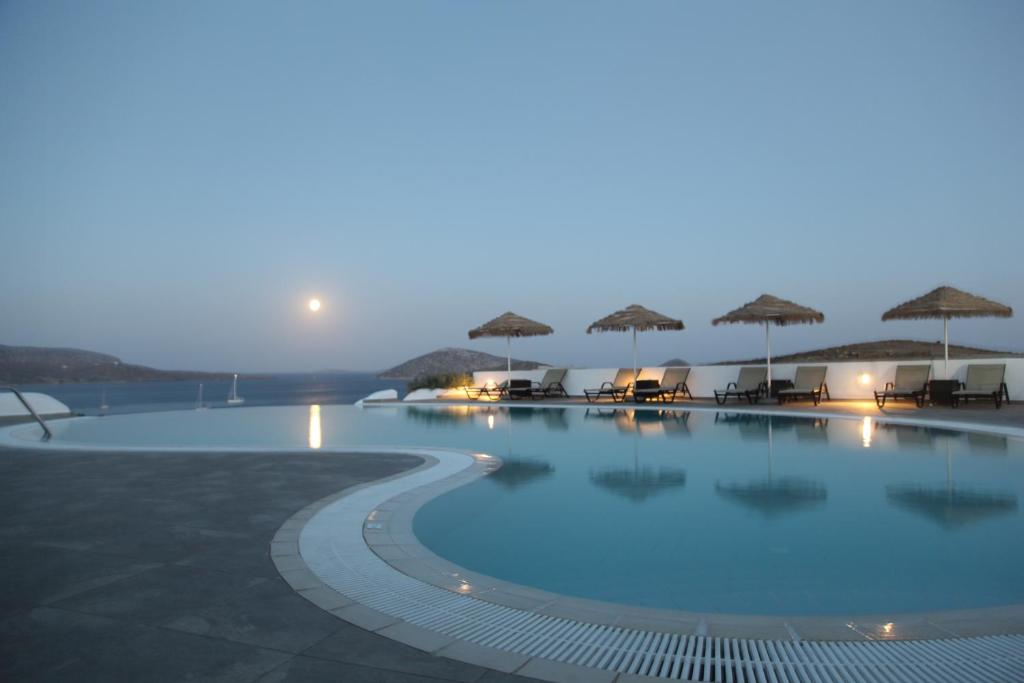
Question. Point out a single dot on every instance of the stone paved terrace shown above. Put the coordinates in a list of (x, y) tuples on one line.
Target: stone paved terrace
[(156, 567)]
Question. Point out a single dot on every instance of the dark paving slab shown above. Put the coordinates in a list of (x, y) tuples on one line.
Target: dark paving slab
[(156, 567), (38, 574), (356, 646), (52, 644), (143, 597), (263, 614), (311, 670)]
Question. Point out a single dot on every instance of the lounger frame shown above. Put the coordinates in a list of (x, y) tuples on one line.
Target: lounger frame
[(965, 394), (732, 389), (617, 392), (892, 392), (813, 392), (496, 392), (551, 388), (661, 392)]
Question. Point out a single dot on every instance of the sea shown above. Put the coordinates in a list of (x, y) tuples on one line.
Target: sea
[(277, 390)]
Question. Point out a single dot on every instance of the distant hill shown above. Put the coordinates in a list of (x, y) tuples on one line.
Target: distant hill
[(890, 349), (451, 360), (43, 365), (675, 363)]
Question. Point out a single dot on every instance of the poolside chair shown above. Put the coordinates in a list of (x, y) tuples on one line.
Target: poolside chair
[(809, 383), (749, 385), (983, 381), (616, 389), (911, 382), (491, 392), (551, 384), (672, 383), (520, 388)]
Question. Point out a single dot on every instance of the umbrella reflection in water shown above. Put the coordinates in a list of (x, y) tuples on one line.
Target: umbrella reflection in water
[(640, 482), (771, 496), (951, 506), (517, 471)]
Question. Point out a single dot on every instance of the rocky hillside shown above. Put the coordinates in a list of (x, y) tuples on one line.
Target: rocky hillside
[(453, 361), (42, 365), (890, 349)]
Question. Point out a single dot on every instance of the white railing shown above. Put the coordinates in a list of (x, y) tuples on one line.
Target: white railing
[(47, 434)]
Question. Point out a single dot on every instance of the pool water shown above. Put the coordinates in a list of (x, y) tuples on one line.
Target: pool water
[(698, 511)]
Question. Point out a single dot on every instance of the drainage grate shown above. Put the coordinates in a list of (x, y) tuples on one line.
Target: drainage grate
[(332, 545)]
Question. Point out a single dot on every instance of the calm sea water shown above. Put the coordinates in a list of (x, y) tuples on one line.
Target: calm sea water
[(280, 390)]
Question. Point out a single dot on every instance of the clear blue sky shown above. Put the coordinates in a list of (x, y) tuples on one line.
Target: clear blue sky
[(177, 178)]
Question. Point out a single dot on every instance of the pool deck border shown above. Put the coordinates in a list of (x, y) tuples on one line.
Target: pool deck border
[(387, 532)]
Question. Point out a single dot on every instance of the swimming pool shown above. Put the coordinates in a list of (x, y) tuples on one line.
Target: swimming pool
[(701, 511)]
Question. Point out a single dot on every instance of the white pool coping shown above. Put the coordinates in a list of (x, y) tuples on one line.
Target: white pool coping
[(333, 553)]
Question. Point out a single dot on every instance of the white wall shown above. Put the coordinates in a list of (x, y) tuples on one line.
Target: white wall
[(843, 378), (43, 404)]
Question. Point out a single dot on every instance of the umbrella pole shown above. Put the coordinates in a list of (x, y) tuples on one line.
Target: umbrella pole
[(768, 344), (949, 469), (634, 355), (945, 343), (508, 343), (636, 446)]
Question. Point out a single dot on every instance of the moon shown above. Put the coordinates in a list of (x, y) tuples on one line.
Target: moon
[(314, 305)]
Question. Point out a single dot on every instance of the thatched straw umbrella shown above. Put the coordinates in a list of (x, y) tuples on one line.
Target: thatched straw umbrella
[(946, 303), (638, 319), (510, 325), (770, 310)]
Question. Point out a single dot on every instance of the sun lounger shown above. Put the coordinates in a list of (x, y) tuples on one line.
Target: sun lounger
[(616, 389), (911, 382), (983, 381), (809, 383), (492, 392), (550, 386), (672, 384), (749, 385)]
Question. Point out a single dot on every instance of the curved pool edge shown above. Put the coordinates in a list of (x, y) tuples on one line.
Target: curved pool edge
[(354, 555)]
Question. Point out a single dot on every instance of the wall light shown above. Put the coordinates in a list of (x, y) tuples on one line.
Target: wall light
[(864, 378)]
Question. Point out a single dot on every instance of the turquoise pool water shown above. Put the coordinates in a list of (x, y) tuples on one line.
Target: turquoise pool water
[(700, 511)]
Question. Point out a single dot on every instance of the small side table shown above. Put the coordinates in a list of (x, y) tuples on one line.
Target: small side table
[(778, 384), (940, 391)]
